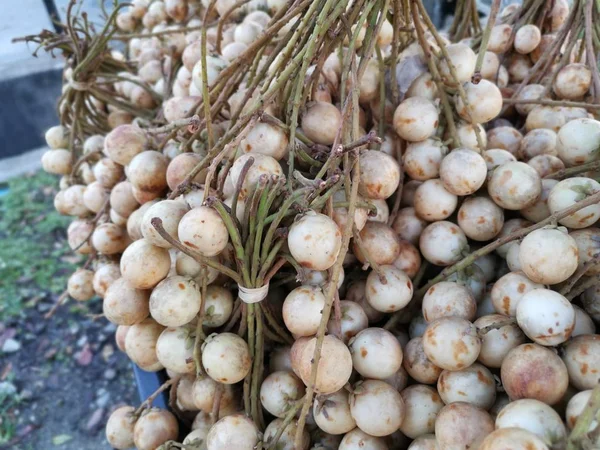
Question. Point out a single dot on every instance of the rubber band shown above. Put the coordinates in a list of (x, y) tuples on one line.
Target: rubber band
[(253, 295)]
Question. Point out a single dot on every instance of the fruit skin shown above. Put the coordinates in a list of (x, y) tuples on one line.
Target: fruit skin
[(533, 371), (335, 364), (144, 265), (232, 432), (203, 230), (496, 344), (442, 243), (234, 365), (416, 119), (375, 353), (515, 185), (175, 301), (538, 252), (546, 317), (568, 192), (394, 295), (321, 122), (377, 407), (535, 417), (461, 426), (125, 305), (333, 416), (417, 364), (302, 310), (451, 343), (422, 405), (314, 241), (474, 385), (582, 359), (513, 438), (380, 175), (123, 143), (140, 344), (448, 298), (119, 428), (484, 102), (154, 428)]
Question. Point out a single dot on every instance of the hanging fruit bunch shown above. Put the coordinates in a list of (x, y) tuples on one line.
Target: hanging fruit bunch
[(337, 227)]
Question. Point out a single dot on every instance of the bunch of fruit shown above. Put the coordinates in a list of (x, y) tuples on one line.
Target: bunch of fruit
[(336, 227)]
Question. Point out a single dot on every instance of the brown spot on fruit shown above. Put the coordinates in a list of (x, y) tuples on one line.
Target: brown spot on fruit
[(584, 368), (521, 288), (506, 303), (481, 377), (363, 352), (506, 175), (307, 237), (181, 286)]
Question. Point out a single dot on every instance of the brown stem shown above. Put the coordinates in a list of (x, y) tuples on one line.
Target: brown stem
[(543, 101), (64, 297), (578, 274), (570, 171), (193, 123), (368, 138), (584, 421), (484, 40), (148, 402), (583, 286), (214, 415), (496, 326), (590, 53)]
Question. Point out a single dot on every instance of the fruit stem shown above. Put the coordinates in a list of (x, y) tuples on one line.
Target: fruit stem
[(589, 47), (496, 326), (461, 91), (437, 79), (148, 402), (485, 40), (291, 413), (582, 287), (581, 271), (582, 426), (332, 286)]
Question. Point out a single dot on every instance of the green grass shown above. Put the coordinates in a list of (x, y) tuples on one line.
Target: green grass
[(8, 402), (34, 255)]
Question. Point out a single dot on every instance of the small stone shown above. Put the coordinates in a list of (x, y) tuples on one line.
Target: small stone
[(110, 328), (11, 346), (102, 398), (82, 341), (26, 395), (110, 374), (85, 356), (44, 307), (94, 421), (107, 351)]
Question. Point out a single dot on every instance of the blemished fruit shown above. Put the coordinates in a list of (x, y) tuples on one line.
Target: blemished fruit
[(338, 241)]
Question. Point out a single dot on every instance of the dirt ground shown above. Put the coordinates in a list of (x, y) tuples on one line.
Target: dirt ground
[(59, 378)]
